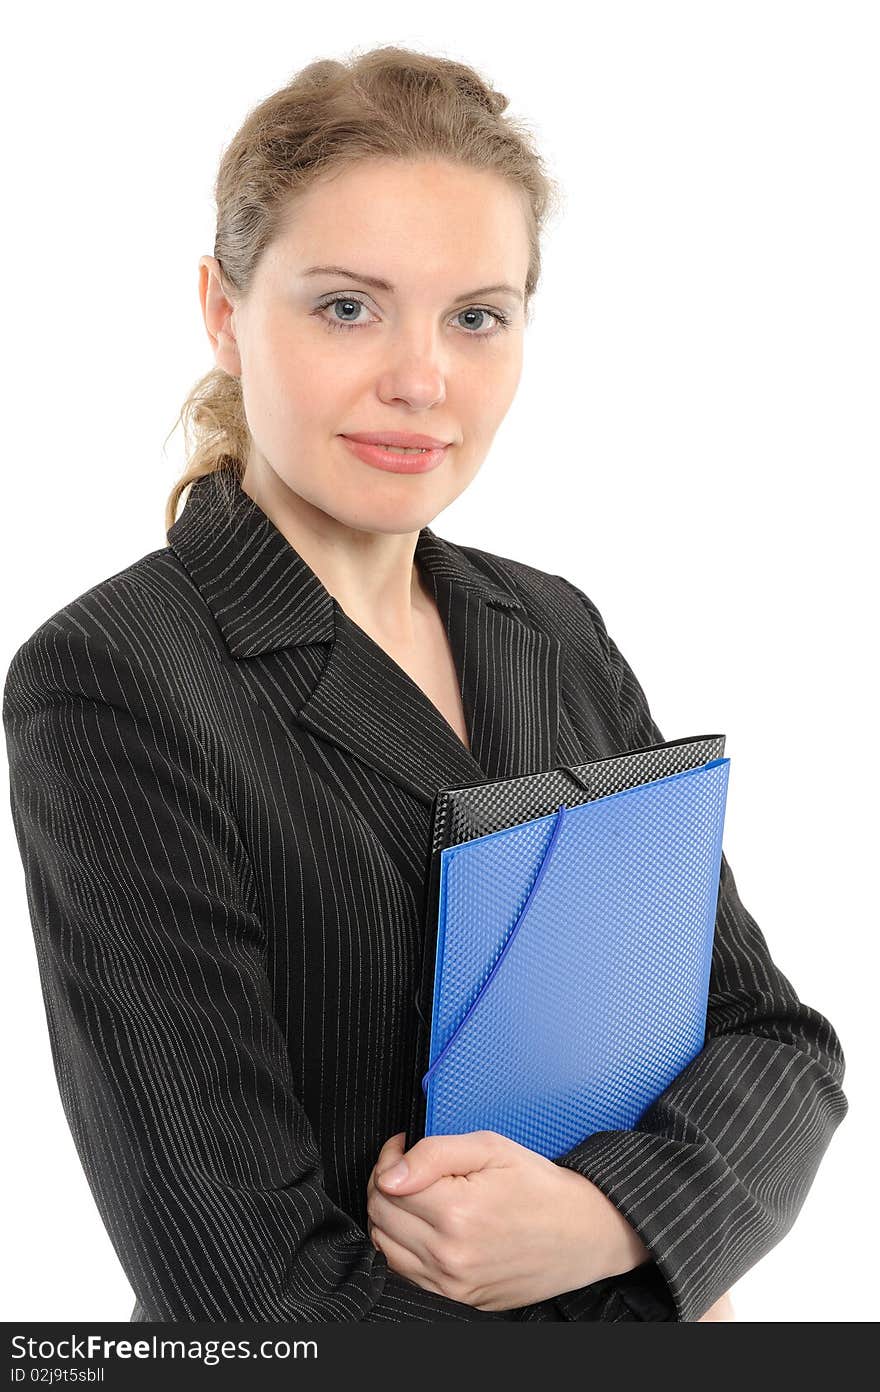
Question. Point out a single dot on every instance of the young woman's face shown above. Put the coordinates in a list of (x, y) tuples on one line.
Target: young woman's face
[(324, 354)]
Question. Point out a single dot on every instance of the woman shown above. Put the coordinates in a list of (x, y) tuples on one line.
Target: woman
[(223, 760)]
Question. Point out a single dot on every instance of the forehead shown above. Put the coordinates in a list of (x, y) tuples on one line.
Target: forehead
[(418, 220)]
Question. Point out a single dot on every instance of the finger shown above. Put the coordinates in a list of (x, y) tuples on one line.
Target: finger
[(388, 1156), (434, 1157), (391, 1152), (402, 1260), (412, 1233), (413, 1219)]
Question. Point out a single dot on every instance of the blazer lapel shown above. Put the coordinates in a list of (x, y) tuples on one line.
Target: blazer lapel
[(317, 669)]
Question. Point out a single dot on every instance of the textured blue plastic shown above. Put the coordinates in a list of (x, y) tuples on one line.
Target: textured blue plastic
[(573, 960)]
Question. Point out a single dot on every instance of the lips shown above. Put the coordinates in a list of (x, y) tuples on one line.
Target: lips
[(407, 439), (394, 460)]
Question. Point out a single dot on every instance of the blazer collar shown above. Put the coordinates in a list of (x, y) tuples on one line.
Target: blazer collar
[(261, 592), (268, 603)]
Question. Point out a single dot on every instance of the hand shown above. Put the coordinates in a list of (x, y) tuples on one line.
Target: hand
[(488, 1222), (721, 1310)]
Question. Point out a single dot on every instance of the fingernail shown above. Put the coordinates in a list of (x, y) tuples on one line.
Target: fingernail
[(396, 1173)]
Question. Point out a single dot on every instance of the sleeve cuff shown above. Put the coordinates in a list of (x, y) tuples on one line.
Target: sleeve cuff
[(625, 1166), (639, 1294)]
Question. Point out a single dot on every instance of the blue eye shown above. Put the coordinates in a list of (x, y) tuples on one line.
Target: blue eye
[(352, 303), (349, 303)]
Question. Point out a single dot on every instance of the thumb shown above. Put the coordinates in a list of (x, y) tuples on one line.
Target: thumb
[(433, 1158)]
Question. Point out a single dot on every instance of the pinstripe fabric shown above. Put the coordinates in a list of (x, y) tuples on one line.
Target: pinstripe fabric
[(221, 790)]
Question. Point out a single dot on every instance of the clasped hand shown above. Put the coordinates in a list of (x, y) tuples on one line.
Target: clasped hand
[(490, 1223)]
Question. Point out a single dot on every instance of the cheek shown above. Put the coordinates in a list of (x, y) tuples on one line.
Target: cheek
[(287, 372), (290, 390), (492, 371), (320, 386), (484, 393), (512, 372)]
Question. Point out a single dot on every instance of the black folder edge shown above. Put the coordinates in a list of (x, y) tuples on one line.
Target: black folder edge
[(425, 994)]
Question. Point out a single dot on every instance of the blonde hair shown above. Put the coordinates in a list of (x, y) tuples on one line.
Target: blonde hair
[(388, 103)]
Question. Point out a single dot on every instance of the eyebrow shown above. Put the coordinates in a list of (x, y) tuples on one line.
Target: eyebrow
[(385, 285)]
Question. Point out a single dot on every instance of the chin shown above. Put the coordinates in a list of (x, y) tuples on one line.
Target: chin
[(385, 510)]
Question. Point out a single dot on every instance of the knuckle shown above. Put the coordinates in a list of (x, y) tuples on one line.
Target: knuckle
[(447, 1256), (454, 1259), (455, 1222), (452, 1287)]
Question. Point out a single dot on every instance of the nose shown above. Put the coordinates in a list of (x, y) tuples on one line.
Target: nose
[(414, 371)]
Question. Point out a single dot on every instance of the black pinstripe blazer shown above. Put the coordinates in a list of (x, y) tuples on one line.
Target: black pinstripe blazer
[(221, 788)]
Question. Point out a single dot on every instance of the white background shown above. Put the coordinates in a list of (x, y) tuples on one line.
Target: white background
[(694, 443)]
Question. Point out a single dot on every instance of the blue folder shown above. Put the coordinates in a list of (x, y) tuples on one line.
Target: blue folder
[(572, 962)]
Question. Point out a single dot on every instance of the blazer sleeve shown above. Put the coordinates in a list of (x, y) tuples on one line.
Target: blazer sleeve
[(716, 1170), (172, 1070)]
